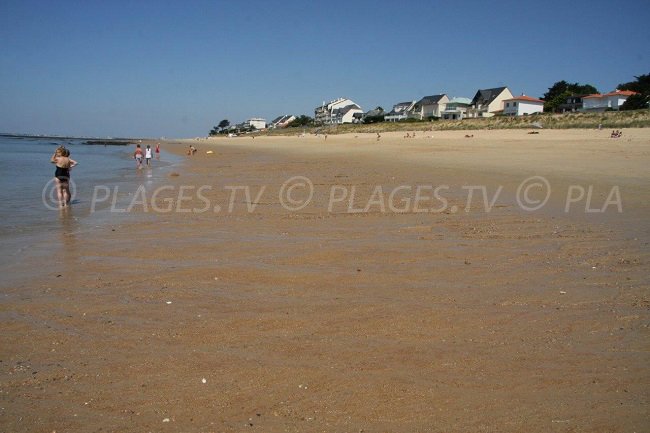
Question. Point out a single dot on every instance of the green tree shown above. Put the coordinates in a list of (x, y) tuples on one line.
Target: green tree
[(560, 91), (301, 120), (642, 87), (635, 102), (220, 128), (375, 116)]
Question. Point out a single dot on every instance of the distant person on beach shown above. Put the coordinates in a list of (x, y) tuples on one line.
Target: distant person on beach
[(157, 151), (148, 155), (64, 163), (137, 155), (191, 150)]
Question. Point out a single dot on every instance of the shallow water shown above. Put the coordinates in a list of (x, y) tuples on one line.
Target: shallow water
[(29, 215)]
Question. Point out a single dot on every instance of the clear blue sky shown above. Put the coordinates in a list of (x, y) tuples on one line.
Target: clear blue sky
[(175, 69)]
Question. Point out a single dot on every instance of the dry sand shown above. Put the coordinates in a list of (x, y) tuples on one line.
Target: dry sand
[(344, 321)]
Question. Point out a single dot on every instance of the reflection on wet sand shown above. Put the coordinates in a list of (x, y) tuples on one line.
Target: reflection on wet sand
[(68, 251)]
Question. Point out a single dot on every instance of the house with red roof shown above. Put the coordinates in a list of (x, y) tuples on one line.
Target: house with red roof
[(522, 106), (612, 100)]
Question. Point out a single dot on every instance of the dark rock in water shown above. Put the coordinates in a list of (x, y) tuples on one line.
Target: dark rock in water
[(107, 142)]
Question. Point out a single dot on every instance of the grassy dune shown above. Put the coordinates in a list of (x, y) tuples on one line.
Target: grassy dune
[(608, 120)]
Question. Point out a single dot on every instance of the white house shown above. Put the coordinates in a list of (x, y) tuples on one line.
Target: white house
[(522, 105), (347, 114), (613, 100), (456, 108), (256, 122), (400, 111), (340, 110), (488, 102), (430, 106)]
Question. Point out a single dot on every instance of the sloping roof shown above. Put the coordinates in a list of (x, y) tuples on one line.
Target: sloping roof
[(614, 93), (375, 112), (343, 110), (430, 100), (401, 107), (620, 92), (282, 119), (486, 96), (331, 105), (525, 98)]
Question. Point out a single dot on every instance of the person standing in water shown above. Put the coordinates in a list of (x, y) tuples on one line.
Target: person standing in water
[(61, 159), (157, 151), (147, 155), (137, 155), (66, 153)]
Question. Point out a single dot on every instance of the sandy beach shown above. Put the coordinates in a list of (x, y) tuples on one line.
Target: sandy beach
[(348, 284)]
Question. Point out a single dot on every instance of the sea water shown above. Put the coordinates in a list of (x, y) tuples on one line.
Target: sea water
[(29, 213)]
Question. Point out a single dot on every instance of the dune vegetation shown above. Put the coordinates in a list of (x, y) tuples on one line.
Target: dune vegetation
[(607, 120)]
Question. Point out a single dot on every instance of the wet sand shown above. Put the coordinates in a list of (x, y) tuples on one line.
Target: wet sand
[(340, 316)]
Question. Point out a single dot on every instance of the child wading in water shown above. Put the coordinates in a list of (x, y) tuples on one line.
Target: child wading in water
[(137, 155), (63, 163), (147, 155)]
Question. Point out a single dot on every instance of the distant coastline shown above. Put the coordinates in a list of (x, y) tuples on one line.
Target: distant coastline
[(91, 141), (71, 137)]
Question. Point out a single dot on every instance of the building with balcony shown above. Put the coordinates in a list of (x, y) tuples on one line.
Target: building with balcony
[(340, 110), (400, 111), (255, 123), (571, 104), (456, 108)]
